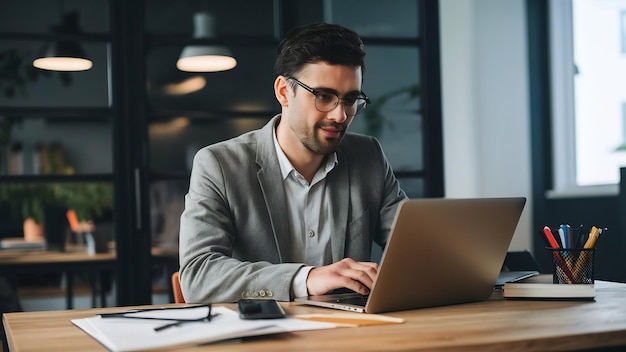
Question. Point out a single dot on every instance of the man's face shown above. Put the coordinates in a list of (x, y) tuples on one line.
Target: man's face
[(321, 132)]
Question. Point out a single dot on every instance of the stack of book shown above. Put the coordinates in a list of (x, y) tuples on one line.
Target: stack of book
[(20, 243), (541, 287)]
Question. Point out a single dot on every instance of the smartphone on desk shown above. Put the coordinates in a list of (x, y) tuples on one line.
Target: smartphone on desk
[(260, 309)]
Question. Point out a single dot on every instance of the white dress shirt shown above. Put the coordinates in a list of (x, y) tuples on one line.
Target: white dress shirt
[(309, 214)]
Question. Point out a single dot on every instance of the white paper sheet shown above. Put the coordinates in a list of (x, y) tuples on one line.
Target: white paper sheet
[(123, 334)]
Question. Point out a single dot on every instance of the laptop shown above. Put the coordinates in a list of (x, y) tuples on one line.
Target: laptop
[(514, 276), (440, 251), (518, 265)]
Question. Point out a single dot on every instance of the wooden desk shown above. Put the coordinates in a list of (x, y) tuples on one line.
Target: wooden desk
[(17, 261), (493, 325)]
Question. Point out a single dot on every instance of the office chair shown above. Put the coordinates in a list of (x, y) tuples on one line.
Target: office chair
[(178, 293)]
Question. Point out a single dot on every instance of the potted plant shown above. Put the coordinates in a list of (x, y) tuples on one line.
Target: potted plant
[(26, 203), (30, 202), (87, 200)]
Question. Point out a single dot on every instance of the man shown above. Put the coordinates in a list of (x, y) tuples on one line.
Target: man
[(292, 209)]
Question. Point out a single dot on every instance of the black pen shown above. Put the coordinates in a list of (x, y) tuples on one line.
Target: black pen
[(580, 240)]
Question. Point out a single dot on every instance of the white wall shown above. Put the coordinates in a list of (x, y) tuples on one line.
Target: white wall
[(486, 119)]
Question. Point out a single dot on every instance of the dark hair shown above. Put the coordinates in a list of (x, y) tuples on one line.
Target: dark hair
[(330, 43)]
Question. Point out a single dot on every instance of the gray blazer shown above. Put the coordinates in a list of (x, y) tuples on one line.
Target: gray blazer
[(234, 237)]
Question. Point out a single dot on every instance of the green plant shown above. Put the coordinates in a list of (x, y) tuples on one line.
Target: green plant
[(88, 200), (373, 115), (27, 200), (16, 72)]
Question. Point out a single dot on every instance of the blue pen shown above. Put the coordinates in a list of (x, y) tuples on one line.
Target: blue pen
[(562, 234)]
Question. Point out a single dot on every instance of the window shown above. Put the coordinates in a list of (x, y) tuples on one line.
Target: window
[(588, 94)]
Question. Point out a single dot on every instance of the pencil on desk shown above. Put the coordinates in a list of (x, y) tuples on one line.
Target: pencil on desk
[(350, 319)]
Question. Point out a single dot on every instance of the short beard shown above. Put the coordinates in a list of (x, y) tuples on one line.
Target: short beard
[(317, 146)]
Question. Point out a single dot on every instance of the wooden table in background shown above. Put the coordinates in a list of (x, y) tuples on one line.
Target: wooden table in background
[(16, 261), (75, 258), (493, 325)]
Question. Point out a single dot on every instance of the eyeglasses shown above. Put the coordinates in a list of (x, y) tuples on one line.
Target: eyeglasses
[(326, 100), (157, 314)]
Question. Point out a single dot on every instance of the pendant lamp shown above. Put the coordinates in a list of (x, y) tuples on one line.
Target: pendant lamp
[(63, 54), (205, 58)]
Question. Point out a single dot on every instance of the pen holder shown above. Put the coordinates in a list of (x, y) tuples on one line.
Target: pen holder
[(573, 265)]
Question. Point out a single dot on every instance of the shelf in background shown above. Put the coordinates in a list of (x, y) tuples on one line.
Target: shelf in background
[(74, 113), (56, 178)]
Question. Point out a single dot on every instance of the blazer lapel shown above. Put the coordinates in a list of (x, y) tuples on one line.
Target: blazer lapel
[(270, 179), (338, 185)]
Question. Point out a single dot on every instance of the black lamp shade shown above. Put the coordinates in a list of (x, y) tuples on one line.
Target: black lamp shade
[(64, 55)]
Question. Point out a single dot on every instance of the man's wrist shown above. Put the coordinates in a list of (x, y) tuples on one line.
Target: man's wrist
[(298, 285)]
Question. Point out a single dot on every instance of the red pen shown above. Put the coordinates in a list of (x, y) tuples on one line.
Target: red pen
[(557, 256), (550, 237)]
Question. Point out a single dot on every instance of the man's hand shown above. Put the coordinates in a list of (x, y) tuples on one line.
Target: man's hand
[(347, 273)]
